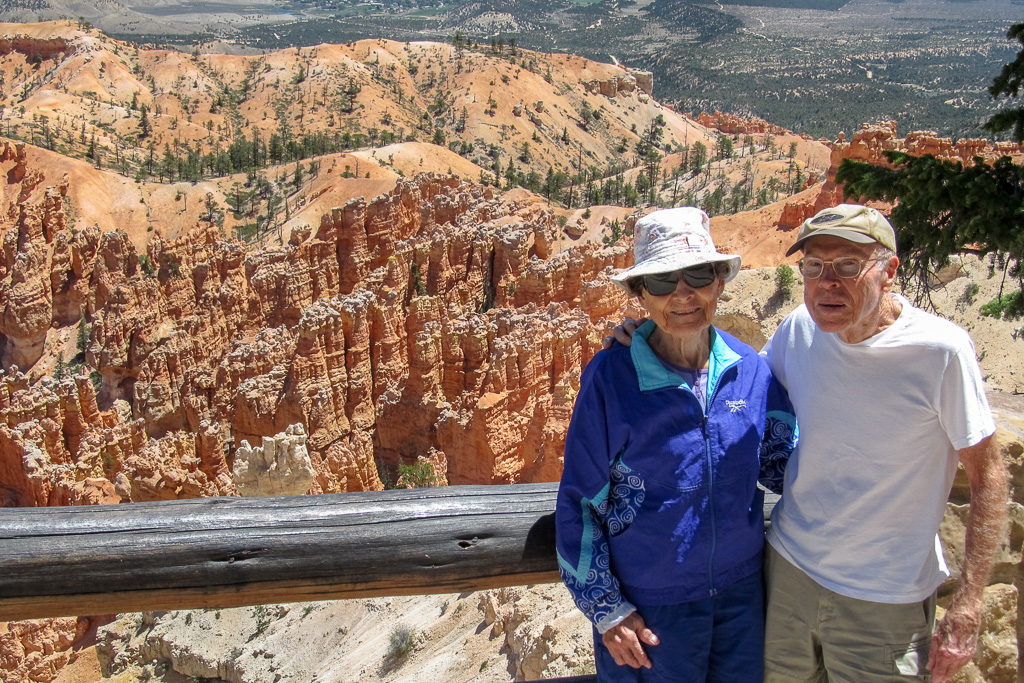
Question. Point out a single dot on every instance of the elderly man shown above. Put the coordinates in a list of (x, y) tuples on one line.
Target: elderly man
[(888, 398)]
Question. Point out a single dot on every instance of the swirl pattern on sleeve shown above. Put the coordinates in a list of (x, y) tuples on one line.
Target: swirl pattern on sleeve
[(593, 586)]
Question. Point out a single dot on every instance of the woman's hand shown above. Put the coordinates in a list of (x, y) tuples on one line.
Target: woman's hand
[(623, 641)]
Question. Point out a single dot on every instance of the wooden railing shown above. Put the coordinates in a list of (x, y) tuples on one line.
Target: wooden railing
[(230, 552)]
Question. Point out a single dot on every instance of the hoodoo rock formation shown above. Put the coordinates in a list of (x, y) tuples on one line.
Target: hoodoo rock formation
[(278, 467), (738, 125), (434, 318), (435, 322), (869, 145), (38, 650), (630, 81)]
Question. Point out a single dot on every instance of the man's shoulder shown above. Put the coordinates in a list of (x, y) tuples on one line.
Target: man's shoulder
[(919, 326), (798, 315), (798, 321)]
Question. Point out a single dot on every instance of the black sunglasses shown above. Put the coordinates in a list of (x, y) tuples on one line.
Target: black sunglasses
[(663, 284)]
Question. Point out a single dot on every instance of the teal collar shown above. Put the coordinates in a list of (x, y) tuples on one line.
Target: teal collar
[(652, 375)]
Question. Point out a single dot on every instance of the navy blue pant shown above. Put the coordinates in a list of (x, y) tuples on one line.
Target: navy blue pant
[(715, 640)]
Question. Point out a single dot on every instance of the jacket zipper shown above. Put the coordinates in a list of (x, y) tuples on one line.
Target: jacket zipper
[(711, 504), (711, 483)]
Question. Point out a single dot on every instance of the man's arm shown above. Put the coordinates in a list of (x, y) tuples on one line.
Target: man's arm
[(956, 637), (780, 437)]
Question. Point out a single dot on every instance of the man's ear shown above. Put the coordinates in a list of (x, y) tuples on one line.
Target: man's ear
[(890, 272)]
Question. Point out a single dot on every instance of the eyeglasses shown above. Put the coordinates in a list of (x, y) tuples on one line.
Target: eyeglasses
[(663, 284), (845, 267)]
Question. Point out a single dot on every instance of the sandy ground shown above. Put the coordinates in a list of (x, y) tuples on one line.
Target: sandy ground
[(521, 633), (86, 668)]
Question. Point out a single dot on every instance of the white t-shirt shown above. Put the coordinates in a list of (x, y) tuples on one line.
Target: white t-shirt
[(880, 423)]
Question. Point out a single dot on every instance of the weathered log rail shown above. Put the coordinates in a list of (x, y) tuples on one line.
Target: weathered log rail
[(231, 552)]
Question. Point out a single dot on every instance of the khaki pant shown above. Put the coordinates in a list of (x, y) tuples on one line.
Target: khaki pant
[(814, 635)]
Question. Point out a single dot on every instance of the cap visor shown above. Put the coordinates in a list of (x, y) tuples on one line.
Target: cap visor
[(849, 235)]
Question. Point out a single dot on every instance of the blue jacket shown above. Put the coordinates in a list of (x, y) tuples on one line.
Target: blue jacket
[(658, 502)]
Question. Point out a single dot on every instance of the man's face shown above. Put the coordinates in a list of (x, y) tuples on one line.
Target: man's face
[(849, 307)]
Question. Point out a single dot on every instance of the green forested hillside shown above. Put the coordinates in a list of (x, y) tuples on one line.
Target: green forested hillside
[(815, 66)]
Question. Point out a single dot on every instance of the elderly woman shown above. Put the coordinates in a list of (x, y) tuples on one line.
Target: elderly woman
[(660, 524)]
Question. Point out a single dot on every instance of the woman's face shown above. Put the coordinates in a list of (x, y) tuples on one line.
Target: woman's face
[(686, 311)]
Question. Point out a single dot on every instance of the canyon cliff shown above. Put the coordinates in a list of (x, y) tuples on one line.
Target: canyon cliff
[(869, 145), (433, 318), (405, 309)]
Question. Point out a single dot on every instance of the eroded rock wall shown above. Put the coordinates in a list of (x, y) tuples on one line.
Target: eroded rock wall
[(33, 651), (33, 48), (738, 125), (433, 325), (628, 82), (869, 145), (999, 647), (427, 318)]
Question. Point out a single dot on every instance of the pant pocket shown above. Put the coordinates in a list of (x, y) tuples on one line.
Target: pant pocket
[(909, 659)]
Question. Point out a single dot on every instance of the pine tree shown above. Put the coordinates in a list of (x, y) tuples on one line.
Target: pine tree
[(60, 371), (82, 342), (144, 127), (699, 157), (1008, 83), (724, 147), (943, 208)]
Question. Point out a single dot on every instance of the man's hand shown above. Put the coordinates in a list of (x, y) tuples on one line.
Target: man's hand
[(956, 637), (623, 332), (955, 640), (623, 641)]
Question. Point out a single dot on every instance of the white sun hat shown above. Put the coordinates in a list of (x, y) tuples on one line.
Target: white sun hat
[(668, 240)]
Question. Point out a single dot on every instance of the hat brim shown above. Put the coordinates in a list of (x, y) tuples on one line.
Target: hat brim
[(850, 235), (677, 262)]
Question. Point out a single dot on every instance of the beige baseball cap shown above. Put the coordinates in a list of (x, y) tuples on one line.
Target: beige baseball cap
[(853, 222)]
